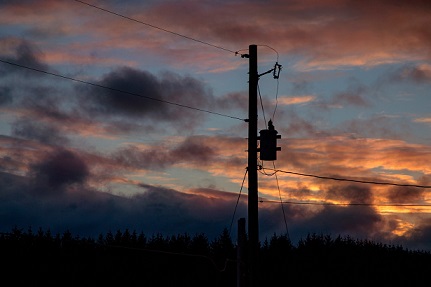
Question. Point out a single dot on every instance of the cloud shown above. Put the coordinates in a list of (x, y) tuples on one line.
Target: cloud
[(351, 193), (406, 194), (350, 99), (329, 34), (5, 96), (60, 169), (326, 34), (416, 73), (352, 221), (25, 54), (136, 94), (423, 120), (237, 100), (193, 152), (88, 212), (44, 133), (296, 100)]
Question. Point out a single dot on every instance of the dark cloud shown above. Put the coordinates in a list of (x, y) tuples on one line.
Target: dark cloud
[(41, 132), (59, 169), (25, 53), (421, 236), (378, 125), (88, 212), (355, 221), (5, 96), (155, 158), (405, 194), (46, 103), (418, 74), (351, 193), (297, 125), (238, 100), (350, 99), (193, 149), (145, 96)]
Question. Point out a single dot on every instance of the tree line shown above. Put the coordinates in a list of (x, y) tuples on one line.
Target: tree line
[(130, 258)]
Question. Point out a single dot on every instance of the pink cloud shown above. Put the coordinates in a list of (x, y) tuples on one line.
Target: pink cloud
[(296, 100)]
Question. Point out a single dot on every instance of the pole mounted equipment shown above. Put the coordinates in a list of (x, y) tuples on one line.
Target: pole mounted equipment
[(268, 143)]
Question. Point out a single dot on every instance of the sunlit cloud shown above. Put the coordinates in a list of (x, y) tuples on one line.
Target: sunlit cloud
[(423, 120), (296, 100)]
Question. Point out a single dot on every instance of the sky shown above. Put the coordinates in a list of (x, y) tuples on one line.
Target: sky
[(120, 115)]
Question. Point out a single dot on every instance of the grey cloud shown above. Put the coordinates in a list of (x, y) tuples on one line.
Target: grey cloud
[(139, 94), (354, 221), (417, 74), (26, 54), (352, 193), (234, 100), (405, 194), (5, 96), (88, 212), (42, 132), (350, 99), (59, 169), (192, 149)]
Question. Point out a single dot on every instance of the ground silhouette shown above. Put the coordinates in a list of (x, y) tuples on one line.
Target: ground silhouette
[(128, 258)]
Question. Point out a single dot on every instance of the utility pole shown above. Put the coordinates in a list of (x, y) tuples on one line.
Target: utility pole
[(253, 221), (268, 151)]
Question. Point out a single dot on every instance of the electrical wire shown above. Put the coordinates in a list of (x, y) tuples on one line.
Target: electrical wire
[(237, 201), (261, 104), (276, 100), (277, 86), (346, 204), (271, 49), (118, 90), (281, 203), (156, 27), (351, 180)]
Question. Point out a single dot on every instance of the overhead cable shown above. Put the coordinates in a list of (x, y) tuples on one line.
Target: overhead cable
[(237, 201), (347, 204), (281, 202), (156, 27), (118, 90), (346, 179)]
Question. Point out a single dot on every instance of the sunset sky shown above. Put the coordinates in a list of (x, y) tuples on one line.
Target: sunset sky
[(130, 115)]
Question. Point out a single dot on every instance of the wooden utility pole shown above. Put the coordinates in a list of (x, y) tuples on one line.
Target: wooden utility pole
[(253, 222)]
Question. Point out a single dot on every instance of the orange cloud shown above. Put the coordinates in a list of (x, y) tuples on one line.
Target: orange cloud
[(296, 100), (423, 120), (326, 34)]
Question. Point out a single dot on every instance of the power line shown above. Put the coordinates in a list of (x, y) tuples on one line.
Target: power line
[(261, 104), (346, 179), (346, 204), (156, 27), (281, 202), (118, 90), (237, 201)]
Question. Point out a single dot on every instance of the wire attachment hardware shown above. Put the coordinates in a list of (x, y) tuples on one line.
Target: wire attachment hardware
[(276, 71)]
